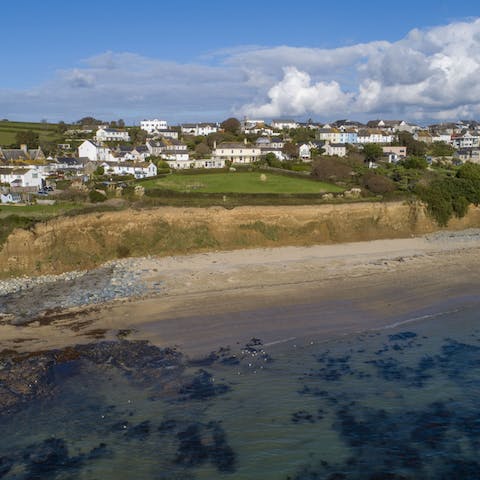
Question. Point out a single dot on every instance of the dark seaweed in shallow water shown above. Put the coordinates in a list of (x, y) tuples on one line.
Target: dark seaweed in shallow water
[(199, 443), (47, 459), (202, 386)]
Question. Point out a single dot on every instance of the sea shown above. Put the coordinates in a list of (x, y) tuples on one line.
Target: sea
[(398, 402)]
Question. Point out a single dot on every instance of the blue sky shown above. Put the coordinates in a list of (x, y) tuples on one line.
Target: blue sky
[(208, 60)]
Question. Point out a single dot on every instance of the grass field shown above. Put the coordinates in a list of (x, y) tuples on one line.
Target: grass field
[(37, 211), (8, 131), (239, 182)]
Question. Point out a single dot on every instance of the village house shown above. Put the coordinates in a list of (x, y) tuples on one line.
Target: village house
[(95, 152), (374, 136), (105, 134), (471, 154), (22, 154), (284, 124), (338, 149), (304, 152), (154, 125), (236, 152), (467, 140), (137, 169), (199, 129), (169, 133), (25, 178), (423, 136), (393, 154)]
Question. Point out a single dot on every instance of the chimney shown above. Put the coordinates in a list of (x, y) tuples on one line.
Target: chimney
[(24, 148)]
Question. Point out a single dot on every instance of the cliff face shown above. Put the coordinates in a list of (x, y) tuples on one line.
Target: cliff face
[(86, 241)]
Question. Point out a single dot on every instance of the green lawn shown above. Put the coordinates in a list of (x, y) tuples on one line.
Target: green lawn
[(239, 182)]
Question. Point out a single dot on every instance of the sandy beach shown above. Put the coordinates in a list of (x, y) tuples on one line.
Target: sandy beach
[(218, 298)]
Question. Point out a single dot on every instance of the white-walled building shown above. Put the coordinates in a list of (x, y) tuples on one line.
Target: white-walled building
[(199, 129), (138, 170), (304, 151), (21, 177), (374, 136), (154, 125), (111, 135), (236, 152), (95, 152), (283, 124), (338, 149)]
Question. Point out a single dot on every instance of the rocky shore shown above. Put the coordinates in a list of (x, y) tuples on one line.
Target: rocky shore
[(26, 299)]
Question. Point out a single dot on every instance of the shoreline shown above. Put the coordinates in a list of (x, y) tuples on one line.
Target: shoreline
[(202, 301)]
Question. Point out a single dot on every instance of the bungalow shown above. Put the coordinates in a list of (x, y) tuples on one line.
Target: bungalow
[(138, 170), (236, 152), (105, 134), (399, 152)]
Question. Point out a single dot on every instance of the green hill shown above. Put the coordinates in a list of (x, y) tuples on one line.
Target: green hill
[(48, 132)]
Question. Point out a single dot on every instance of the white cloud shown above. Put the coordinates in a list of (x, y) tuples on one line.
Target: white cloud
[(429, 74)]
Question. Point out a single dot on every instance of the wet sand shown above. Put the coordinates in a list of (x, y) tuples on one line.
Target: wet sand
[(221, 298)]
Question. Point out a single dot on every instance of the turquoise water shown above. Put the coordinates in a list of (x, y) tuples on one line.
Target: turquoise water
[(398, 403)]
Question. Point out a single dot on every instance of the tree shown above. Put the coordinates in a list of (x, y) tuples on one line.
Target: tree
[(441, 149), (89, 121), (27, 137), (418, 163), (290, 149), (62, 127), (231, 125), (137, 135), (414, 147), (202, 149), (121, 123), (372, 152)]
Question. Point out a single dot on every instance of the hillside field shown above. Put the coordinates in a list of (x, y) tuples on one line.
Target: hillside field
[(8, 130), (239, 182)]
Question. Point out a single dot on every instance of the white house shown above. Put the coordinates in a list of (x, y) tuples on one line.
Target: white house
[(209, 163), (283, 124), (111, 135), (304, 151), (154, 125), (338, 149), (138, 170), (95, 152), (467, 140), (236, 152), (21, 177), (199, 129), (374, 136)]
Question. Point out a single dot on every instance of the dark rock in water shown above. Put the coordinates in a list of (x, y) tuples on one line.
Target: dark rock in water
[(167, 426), (200, 443), (254, 342), (101, 451), (204, 361), (460, 469), (5, 466), (139, 432), (402, 336), (302, 416), (50, 455), (202, 387), (120, 426), (231, 360)]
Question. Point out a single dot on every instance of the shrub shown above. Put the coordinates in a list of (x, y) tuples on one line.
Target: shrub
[(418, 163), (378, 184), (328, 169), (96, 196)]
